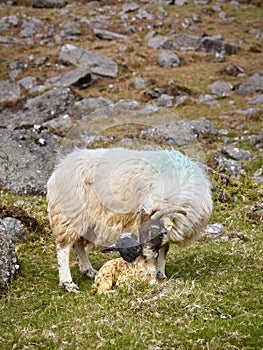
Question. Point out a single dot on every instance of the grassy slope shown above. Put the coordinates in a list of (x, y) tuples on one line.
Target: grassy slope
[(213, 296)]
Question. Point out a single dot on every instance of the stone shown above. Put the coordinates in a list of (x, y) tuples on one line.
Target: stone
[(130, 7), (185, 42), (70, 28), (31, 28), (9, 91), (141, 83), (168, 58), (252, 84), (215, 44), (180, 133), (48, 3), (164, 101), (28, 83), (124, 105), (221, 88), (9, 265), (28, 157), (233, 167), (97, 63), (257, 99), (160, 42), (233, 70), (15, 229), (107, 35), (80, 77), (237, 153), (90, 107)]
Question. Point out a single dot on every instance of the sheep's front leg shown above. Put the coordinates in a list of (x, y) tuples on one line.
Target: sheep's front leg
[(162, 261), (65, 279), (85, 266)]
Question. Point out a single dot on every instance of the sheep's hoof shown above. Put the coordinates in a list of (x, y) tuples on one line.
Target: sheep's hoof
[(70, 287), (91, 273), (161, 275)]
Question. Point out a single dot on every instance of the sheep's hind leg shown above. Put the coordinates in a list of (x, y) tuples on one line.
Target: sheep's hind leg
[(65, 279), (162, 261), (85, 266)]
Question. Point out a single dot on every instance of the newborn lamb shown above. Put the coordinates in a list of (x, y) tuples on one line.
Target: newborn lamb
[(118, 271)]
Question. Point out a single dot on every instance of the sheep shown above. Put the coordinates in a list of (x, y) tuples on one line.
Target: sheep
[(95, 195), (118, 271)]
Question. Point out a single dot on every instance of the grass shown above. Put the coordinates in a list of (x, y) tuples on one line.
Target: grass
[(211, 299)]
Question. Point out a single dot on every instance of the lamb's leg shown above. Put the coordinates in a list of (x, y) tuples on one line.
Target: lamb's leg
[(65, 279), (162, 261), (85, 266)]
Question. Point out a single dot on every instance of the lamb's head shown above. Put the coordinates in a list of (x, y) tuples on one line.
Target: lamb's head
[(128, 246)]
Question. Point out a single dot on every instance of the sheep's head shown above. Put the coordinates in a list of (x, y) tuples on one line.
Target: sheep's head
[(128, 246), (156, 229)]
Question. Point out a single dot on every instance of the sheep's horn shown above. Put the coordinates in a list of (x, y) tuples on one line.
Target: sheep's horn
[(168, 210)]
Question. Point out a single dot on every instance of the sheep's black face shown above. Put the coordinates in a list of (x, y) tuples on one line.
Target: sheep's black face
[(128, 246)]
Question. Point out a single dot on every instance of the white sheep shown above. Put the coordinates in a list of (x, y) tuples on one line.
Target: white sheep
[(95, 195)]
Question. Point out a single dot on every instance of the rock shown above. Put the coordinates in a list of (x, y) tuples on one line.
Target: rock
[(31, 28), (236, 153), (253, 84), (48, 3), (213, 231), (15, 229), (180, 133), (168, 58), (257, 99), (215, 44), (64, 126), (97, 63), (9, 92), (130, 7), (70, 28), (160, 42), (28, 83), (164, 101), (124, 105), (80, 77), (233, 167), (231, 69), (208, 99), (185, 42), (258, 176), (28, 158), (9, 265), (221, 88), (141, 83), (107, 35), (90, 107)]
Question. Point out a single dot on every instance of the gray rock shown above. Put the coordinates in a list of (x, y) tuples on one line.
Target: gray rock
[(168, 58), (90, 107), (255, 100), (48, 3), (28, 83), (141, 83), (107, 35), (9, 92), (97, 63), (80, 77), (64, 126), (215, 44), (160, 42), (31, 28), (221, 88), (164, 101), (70, 28), (231, 166), (236, 153), (49, 105), (180, 133), (184, 42), (28, 158), (253, 84), (15, 229), (180, 2), (130, 7), (124, 105), (9, 265), (233, 70)]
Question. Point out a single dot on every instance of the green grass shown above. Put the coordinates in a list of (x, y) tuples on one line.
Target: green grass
[(211, 299)]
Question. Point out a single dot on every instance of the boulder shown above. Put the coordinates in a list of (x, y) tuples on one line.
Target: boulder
[(28, 157), (252, 84), (160, 42), (97, 63), (80, 77), (168, 58), (221, 88), (107, 35), (9, 265), (48, 3), (9, 91)]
